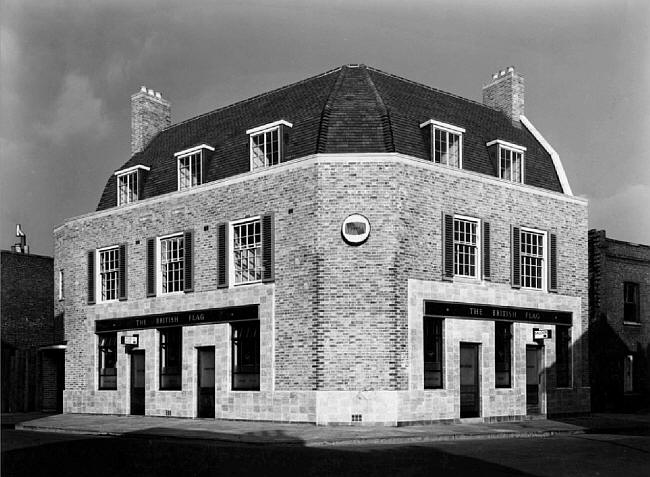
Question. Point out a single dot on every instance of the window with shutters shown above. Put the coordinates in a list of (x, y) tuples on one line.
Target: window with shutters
[(502, 354), (532, 258), (171, 263), (107, 360), (129, 184), (171, 352), (446, 143), (191, 164), (631, 302), (563, 356), (246, 356), (467, 241), (266, 144), (247, 251), (432, 353), (108, 273)]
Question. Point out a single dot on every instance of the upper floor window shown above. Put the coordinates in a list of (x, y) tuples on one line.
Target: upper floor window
[(172, 263), (247, 251), (631, 302), (510, 162), (266, 144), (466, 247), (191, 166), (109, 273), (129, 182), (533, 258), (446, 143)]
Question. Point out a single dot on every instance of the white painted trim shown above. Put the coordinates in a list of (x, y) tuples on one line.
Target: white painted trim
[(557, 162), (131, 169), (230, 250), (347, 158), (158, 263), (272, 125), (192, 150), (545, 245), (441, 125), (479, 248), (507, 144), (98, 276)]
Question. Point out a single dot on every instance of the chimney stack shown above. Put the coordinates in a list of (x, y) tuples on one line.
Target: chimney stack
[(150, 114), (506, 93), (20, 247)]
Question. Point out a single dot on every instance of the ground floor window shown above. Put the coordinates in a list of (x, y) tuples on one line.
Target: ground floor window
[(563, 356), (432, 353), (628, 374), (246, 356), (502, 354), (108, 361), (171, 350)]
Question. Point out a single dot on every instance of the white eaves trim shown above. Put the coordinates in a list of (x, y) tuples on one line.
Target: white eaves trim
[(559, 169), (193, 149), (442, 125), (507, 144), (131, 169), (269, 126)]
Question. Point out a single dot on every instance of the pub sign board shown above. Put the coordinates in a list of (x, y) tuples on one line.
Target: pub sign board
[(180, 318), (491, 312)]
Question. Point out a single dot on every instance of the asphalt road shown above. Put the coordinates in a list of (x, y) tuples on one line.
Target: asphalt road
[(41, 454)]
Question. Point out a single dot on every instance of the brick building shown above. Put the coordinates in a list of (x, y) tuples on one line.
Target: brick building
[(354, 247), (32, 347), (619, 312)]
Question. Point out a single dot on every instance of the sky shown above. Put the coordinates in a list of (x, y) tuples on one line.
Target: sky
[(68, 69)]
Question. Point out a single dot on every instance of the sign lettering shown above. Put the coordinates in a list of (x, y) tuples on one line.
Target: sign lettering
[(506, 313)]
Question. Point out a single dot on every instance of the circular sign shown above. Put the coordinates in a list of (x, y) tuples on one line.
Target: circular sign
[(355, 229)]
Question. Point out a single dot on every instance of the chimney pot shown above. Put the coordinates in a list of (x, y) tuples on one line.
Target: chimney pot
[(150, 92), (158, 95), (143, 89)]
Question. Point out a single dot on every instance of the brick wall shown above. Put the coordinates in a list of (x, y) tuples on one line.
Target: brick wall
[(149, 115), (338, 315), (26, 295)]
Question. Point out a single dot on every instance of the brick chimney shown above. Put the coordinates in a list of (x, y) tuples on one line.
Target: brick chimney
[(150, 114), (506, 93)]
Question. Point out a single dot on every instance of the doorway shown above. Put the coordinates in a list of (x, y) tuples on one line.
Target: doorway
[(533, 379), (206, 382), (137, 383), (469, 380)]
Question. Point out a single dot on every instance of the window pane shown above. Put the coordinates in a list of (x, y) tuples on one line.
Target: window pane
[(432, 353), (246, 356), (247, 251), (503, 354), (532, 259), (562, 355), (465, 247), (172, 264), (109, 273), (107, 361)]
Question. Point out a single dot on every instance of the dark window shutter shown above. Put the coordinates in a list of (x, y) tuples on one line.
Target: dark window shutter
[(448, 247), (141, 175), (516, 267), (268, 252), (283, 139), (222, 255), (188, 285), (122, 273), (486, 250), (204, 158), (91, 277), (151, 267), (552, 269)]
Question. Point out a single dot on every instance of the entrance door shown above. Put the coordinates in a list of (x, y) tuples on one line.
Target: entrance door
[(137, 382), (206, 381), (533, 379), (469, 385)]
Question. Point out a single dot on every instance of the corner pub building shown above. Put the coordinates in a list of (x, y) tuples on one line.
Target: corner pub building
[(352, 248)]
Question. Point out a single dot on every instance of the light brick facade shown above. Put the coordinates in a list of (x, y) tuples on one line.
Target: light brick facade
[(340, 326)]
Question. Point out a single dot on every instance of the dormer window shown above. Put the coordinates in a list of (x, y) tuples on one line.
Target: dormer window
[(510, 160), (129, 182), (266, 144), (191, 166), (446, 143)]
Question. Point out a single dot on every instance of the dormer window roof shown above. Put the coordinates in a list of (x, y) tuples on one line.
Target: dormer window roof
[(446, 143)]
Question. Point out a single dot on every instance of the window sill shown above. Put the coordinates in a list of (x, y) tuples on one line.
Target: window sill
[(106, 389), (434, 389), (247, 283), (463, 279), (634, 324), (169, 389)]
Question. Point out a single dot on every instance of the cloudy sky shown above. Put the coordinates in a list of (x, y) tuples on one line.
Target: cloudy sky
[(69, 67)]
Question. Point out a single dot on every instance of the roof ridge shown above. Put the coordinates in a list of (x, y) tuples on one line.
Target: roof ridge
[(243, 101), (391, 75), (386, 123), (323, 126)]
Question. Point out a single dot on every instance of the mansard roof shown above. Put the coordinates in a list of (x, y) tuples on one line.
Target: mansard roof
[(351, 109)]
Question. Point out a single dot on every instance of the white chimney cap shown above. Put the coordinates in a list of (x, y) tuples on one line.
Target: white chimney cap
[(495, 75), (143, 89), (511, 69), (151, 92), (502, 73), (158, 95)]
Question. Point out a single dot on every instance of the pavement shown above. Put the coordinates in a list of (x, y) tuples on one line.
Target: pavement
[(258, 433)]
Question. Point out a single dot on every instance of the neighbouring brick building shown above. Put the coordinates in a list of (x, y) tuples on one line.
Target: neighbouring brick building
[(619, 300), (32, 347), (354, 247)]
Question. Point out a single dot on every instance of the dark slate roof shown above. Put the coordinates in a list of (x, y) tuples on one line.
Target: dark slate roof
[(351, 109)]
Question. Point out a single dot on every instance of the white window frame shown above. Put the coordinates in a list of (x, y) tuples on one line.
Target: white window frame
[(448, 129), (193, 170), (265, 129), (514, 149), (479, 246), (231, 250), (99, 289), (158, 258), (127, 173), (544, 266)]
